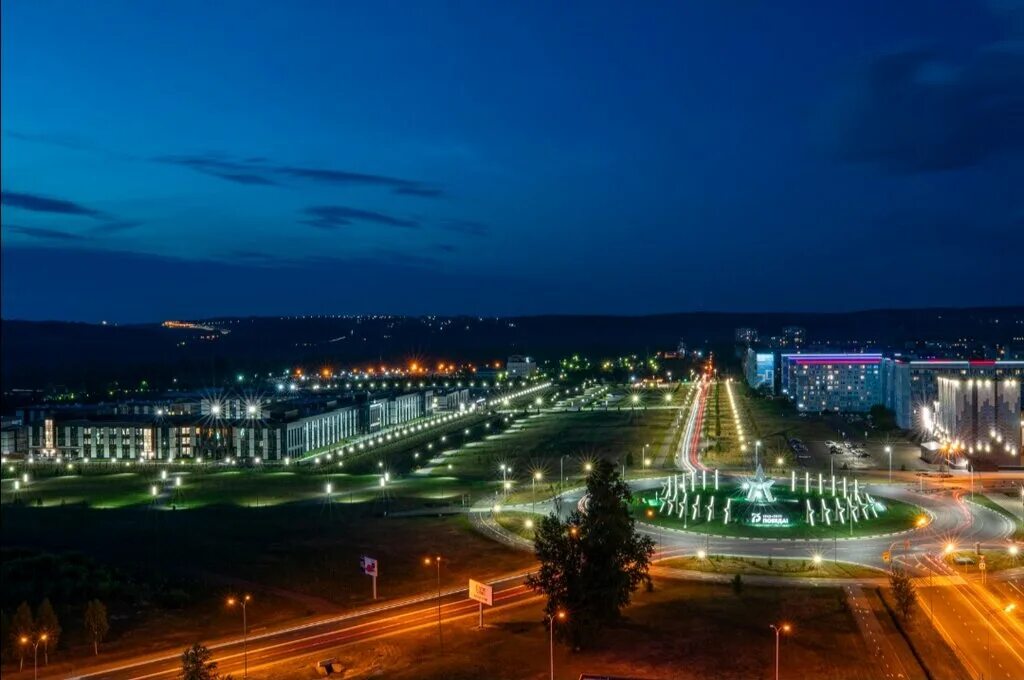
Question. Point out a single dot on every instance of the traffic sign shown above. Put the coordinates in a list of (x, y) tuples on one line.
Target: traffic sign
[(369, 565), (886, 556)]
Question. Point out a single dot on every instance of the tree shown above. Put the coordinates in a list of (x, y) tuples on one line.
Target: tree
[(48, 623), (882, 417), (5, 636), (591, 563), (737, 584), (96, 623), (22, 626), (903, 592), (196, 664)]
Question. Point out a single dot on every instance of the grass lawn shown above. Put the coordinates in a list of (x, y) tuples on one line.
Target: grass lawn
[(995, 560), (723, 564), (296, 560), (538, 443), (898, 516), (982, 499), (680, 630), (103, 488), (520, 523)]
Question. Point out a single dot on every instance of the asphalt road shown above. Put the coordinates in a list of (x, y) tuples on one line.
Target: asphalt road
[(272, 647)]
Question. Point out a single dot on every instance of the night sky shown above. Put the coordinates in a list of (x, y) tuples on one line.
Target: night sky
[(187, 159)]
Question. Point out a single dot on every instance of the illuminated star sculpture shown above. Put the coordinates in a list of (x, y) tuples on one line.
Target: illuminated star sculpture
[(759, 489)]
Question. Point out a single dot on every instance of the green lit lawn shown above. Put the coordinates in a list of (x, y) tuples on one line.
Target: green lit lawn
[(898, 516), (995, 560), (469, 454), (537, 443), (806, 568)]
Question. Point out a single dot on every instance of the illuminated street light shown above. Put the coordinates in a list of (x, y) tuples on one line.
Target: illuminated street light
[(949, 548), (43, 637), (243, 601), (702, 554), (437, 561), (561, 616), (783, 628)]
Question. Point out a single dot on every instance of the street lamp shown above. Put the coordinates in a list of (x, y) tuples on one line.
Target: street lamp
[(560, 615), (35, 652), (437, 560), (243, 601), (757, 449), (781, 628), (888, 451), (536, 477)]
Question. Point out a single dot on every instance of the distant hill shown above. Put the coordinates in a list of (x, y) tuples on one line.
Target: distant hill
[(36, 354)]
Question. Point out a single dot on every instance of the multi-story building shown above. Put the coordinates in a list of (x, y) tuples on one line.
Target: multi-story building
[(759, 369), (746, 336), (228, 428), (911, 385), (519, 366), (832, 382), (980, 417), (794, 336), (12, 436)]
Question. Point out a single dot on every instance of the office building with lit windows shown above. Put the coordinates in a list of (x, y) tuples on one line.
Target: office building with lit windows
[(850, 383)]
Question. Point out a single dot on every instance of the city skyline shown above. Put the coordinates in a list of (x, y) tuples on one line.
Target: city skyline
[(508, 160)]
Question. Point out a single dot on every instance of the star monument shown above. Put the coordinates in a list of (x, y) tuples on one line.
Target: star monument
[(759, 488)]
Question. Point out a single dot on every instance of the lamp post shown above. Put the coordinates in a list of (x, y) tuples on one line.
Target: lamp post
[(243, 601), (35, 652), (757, 450), (437, 561), (561, 472), (536, 477), (560, 615), (888, 451), (781, 628)]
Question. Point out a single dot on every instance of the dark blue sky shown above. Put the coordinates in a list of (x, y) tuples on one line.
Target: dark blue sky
[(188, 159)]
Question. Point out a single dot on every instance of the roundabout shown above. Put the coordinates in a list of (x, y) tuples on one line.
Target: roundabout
[(759, 507)]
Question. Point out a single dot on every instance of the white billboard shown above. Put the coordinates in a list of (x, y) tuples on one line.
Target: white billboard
[(481, 592)]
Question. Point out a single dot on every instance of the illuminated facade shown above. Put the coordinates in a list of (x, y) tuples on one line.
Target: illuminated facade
[(759, 369), (850, 383), (980, 417), (520, 366), (912, 386)]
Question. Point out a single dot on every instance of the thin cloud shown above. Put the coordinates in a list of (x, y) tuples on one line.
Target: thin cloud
[(467, 227), (64, 141), (115, 227), (335, 216), (423, 192), (247, 171), (44, 234), (258, 170), (45, 204), (924, 111)]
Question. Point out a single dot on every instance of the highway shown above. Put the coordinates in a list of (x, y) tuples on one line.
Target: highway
[(275, 646)]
